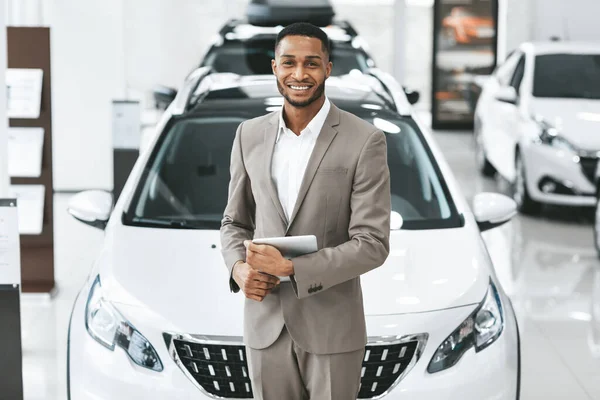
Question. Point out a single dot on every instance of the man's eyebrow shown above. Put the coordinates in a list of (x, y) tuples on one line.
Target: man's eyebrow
[(291, 56)]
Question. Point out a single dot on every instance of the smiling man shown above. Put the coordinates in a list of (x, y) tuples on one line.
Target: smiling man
[(309, 169)]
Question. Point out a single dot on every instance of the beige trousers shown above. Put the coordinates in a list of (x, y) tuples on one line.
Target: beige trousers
[(283, 371)]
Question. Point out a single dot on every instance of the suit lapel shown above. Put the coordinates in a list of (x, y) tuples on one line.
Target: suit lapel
[(270, 135), (324, 139)]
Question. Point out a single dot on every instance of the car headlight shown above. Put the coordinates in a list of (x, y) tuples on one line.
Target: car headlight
[(482, 328), (105, 324), (550, 136)]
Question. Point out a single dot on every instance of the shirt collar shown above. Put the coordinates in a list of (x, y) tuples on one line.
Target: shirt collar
[(314, 126)]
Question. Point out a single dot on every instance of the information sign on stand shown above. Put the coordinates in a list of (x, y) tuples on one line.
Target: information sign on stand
[(11, 367)]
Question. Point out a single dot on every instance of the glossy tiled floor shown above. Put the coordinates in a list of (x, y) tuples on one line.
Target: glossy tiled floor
[(546, 264)]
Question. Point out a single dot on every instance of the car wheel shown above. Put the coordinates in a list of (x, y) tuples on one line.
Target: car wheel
[(483, 164), (597, 226), (525, 204)]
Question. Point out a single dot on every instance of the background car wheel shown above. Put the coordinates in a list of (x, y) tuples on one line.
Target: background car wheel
[(525, 204), (483, 165), (597, 226)]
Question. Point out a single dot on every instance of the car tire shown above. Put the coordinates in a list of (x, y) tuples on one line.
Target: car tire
[(520, 194), (597, 225), (483, 164)]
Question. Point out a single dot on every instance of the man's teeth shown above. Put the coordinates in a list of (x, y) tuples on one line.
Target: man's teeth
[(300, 87)]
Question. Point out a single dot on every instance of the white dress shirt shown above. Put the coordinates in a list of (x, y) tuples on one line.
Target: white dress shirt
[(291, 156)]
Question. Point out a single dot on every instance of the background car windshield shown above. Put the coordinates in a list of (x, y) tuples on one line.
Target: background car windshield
[(186, 181), (254, 58), (567, 76)]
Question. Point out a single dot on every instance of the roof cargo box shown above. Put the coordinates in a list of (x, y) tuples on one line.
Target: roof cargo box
[(285, 12)]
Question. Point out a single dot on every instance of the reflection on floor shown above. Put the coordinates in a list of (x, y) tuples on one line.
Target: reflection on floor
[(547, 265)]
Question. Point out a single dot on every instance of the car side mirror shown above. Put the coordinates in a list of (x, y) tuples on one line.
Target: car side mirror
[(492, 210), (163, 96), (92, 207), (412, 96), (396, 221), (507, 94)]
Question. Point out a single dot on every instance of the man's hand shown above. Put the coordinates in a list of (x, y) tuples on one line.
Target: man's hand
[(268, 259), (254, 284)]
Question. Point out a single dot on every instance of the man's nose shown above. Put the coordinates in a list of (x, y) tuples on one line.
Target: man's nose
[(299, 73)]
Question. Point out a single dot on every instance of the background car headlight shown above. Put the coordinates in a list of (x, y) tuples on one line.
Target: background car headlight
[(105, 324), (550, 136), (482, 328)]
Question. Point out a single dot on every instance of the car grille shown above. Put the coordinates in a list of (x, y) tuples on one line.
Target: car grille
[(218, 366), (588, 166)]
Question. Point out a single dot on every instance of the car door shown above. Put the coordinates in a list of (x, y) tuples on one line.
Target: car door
[(491, 112), (510, 121)]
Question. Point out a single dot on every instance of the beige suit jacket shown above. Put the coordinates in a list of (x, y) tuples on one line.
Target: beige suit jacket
[(344, 200)]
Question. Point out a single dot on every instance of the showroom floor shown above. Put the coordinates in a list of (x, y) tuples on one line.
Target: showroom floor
[(547, 265)]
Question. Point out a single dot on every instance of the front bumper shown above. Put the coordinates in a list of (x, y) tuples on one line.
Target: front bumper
[(97, 373), (564, 169)]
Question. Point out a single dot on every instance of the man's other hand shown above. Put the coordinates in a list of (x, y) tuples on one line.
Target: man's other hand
[(255, 285), (267, 259)]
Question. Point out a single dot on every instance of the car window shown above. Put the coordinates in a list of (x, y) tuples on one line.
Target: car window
[(254, 58), (185, 183), (567, 76), (517, 77), (506, 71)]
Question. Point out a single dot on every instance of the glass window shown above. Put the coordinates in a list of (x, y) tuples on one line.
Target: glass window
[(518, 75), (505, 72), (186, 182), (567, 76), (254, 58)]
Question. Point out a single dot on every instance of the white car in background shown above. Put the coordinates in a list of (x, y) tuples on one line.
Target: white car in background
[(156, 319), (537, 123)]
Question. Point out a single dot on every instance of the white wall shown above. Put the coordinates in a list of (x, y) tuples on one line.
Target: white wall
[(567, 19), (87, 73), (4, 179), (106, 50)]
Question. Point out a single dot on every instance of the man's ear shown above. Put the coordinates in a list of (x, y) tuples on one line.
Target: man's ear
[(328, 69), (274, 66)]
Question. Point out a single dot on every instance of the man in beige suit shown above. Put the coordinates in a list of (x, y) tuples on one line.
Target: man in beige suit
[(309, 169)]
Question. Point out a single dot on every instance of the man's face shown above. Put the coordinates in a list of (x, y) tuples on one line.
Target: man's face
[(301, 67)]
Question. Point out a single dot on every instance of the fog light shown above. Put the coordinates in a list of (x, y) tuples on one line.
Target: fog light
[(548, 187)]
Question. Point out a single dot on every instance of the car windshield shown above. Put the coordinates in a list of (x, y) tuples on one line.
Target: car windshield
[(567, 76), (185, 182), (254, 58)]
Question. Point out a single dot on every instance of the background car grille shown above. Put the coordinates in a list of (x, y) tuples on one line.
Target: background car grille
[(221, 370), (588, 166)]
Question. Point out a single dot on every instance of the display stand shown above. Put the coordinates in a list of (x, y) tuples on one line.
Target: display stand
[(28, 50), (11, 365)]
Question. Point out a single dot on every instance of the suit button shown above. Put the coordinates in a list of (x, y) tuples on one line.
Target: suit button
[(320, 287), (311, 290), (288, 235)]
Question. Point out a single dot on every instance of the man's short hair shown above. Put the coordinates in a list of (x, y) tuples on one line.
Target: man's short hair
[(305, 29)]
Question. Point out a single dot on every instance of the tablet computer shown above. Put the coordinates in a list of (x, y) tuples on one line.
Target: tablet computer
[(291, 246)]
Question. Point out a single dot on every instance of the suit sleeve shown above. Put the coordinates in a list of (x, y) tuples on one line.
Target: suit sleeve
[(369, 228), (238, 223)]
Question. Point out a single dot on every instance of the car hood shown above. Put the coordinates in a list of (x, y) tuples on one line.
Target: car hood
[(577, 119), (179, 276)]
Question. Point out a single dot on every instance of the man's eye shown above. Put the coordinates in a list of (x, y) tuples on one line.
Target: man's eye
[(287, 63)]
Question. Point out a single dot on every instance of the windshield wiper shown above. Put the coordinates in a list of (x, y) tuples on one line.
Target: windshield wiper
[(177, 223), (167, 223)]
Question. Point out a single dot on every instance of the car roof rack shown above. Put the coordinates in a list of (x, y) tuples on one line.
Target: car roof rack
[(394, 89), (201, 81), (284, 12), (184, 95), (239, 29)]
